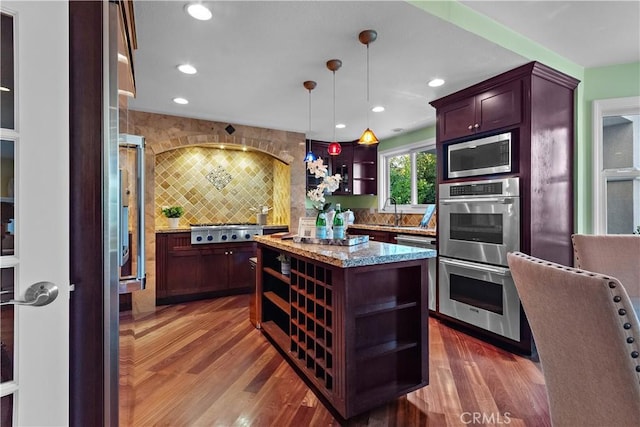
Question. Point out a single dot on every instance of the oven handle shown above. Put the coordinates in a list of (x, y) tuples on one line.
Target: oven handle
[(489, 269), (502, 200)]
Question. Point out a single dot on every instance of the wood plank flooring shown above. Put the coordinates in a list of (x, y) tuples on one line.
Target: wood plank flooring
[(203, 364)]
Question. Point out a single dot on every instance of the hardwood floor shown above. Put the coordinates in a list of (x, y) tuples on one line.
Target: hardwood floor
[(203, 364)]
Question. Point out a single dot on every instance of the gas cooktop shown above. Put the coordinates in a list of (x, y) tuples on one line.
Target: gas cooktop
[(223, 232)]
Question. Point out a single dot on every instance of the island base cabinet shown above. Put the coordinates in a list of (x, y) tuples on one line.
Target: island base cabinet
[(359, 335)]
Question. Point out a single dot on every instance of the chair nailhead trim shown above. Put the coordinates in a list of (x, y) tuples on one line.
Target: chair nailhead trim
[(638, 368), (627, 325), (612, 285), (635, 354), (617, 298), (622, 312), (630, 340)]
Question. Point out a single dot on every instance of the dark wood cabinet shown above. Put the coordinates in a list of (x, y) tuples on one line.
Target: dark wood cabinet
[(320, 150), (535, 104), (185, 271), (365, 170), (359, 335), (343, 164), (492, 109), (356, 164)]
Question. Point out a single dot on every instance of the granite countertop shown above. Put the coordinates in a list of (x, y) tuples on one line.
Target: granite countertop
[(370, 253), (431, 232), (187, 229)]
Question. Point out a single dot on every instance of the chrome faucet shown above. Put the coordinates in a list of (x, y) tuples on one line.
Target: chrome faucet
[(396, 217)]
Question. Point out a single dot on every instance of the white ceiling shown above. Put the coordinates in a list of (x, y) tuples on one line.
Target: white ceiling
[(252, 58)]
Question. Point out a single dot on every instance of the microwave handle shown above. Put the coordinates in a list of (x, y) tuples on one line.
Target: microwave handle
[(501, 200), (480, 267)]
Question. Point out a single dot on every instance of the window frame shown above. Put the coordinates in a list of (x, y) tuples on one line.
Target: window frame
[(604, 108), (383, 176)]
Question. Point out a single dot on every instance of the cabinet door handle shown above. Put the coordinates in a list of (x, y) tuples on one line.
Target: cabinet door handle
[(470, 127), (226, 253), (476, 126), (230, 252)]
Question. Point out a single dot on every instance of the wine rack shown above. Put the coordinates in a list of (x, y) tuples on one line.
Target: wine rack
[(357, 335), (312, 319)]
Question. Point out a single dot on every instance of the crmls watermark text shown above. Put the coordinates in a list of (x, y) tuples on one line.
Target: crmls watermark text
[(495, 418)]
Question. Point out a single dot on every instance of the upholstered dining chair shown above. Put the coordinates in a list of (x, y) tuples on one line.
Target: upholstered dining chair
[(588, 340), (616, 255)]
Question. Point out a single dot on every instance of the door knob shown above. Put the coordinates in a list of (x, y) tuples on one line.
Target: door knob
[(38, 294)]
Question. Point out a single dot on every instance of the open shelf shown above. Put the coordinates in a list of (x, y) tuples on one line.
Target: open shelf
[(379, 308), (383, 349), (277, 275), (276, 334), (279, 302)]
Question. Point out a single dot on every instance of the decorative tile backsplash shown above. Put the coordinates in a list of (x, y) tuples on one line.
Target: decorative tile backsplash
[(216, 185)]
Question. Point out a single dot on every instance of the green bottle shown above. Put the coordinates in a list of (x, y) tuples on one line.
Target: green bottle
[(321, 226), (338, 223)]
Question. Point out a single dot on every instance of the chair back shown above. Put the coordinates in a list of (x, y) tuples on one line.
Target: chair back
[(616, 255), (588, 340)]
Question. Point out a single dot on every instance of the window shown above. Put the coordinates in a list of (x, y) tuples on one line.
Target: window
[(408, 175), (616, 165)]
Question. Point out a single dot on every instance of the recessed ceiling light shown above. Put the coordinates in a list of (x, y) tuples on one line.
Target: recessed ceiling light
[(187, 69), (341, 126), (436, 82), (199, 11), (378, 109), (180, 101)]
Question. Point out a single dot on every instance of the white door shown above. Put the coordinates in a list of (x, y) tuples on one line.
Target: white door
[(34, 192)]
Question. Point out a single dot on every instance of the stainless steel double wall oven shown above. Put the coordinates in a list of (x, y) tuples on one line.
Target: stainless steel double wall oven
[(479, 224)]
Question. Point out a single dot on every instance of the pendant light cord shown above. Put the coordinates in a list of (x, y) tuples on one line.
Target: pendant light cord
[(334, 106), (368, 102), (309, 131)]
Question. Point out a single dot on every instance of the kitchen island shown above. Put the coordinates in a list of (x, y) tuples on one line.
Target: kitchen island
[(352, 320)]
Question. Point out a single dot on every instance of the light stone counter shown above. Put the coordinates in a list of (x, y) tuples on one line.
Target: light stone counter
[(430, 232), (370, 253)]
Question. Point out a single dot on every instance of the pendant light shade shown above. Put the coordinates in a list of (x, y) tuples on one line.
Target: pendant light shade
[(367, 37), (368, 138), (334, 148), (310, 157)]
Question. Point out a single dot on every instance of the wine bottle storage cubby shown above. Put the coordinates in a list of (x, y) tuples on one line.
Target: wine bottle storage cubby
[(312, 319)]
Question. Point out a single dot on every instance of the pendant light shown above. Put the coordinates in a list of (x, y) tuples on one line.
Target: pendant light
[(310, 157), (367, 37), (334, 148)]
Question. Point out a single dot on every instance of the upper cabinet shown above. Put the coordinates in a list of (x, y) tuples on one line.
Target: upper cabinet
[(356, 164), (127, 43), (365, 169), (343, 164), (492, 109)]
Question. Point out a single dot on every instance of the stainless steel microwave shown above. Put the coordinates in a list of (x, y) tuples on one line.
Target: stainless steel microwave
[(483, 156)]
